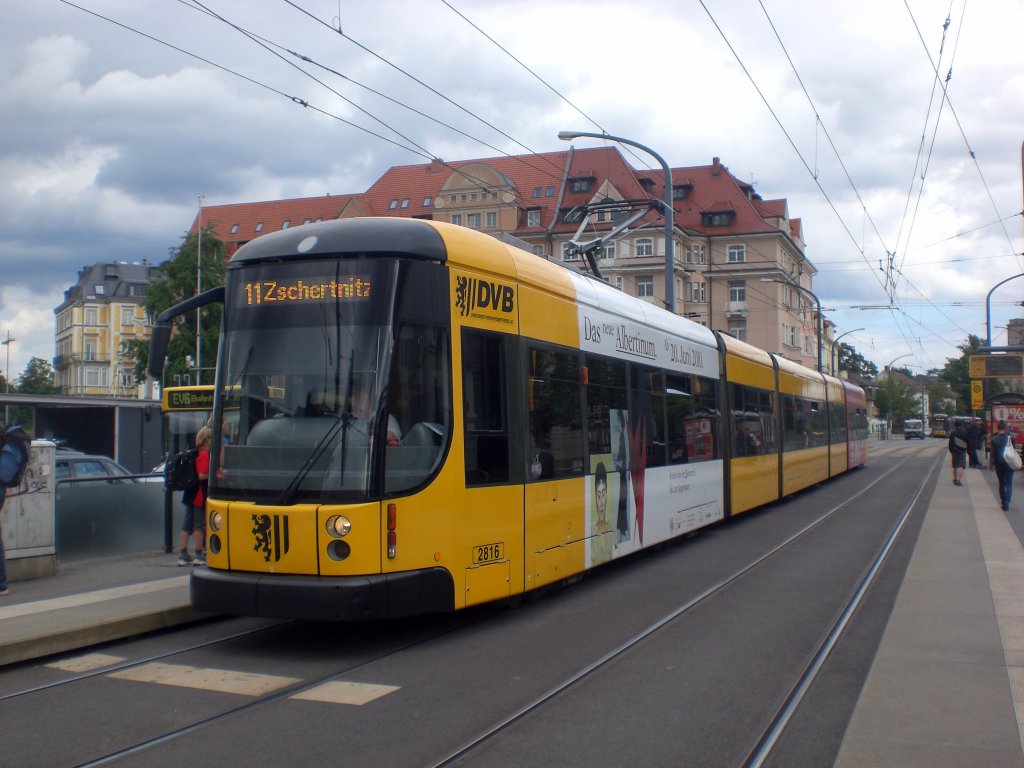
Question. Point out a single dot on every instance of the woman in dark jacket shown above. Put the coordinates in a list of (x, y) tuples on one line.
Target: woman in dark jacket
[(1002, 469)]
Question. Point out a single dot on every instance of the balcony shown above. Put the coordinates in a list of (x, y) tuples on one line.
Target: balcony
[(736, 309)]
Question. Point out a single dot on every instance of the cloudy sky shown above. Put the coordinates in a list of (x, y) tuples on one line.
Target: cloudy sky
[(910, 205)]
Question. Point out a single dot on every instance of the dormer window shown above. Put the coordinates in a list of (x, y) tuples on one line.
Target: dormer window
[(581, 185), (718, 219), (394, 204), (681, 191), (259, 226), (234, 229)]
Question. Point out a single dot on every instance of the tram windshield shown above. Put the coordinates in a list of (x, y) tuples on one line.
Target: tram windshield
[(339, 373)]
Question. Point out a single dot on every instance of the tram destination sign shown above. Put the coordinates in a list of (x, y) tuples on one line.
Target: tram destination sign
[(996, 366)]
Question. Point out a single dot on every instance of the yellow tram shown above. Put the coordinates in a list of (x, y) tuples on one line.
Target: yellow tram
[(429, 419)]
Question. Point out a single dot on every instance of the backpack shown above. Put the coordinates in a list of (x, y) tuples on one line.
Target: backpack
[(180, 472), (14, 456)]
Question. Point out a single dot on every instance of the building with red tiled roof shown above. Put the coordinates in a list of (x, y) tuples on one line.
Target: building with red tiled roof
[(739, 264)]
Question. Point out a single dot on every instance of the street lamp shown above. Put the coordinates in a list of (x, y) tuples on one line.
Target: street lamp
[(670, 282), (988, 309), (199, 279), (835, 354), (888, 419), (818, 303), (7, 343), (909, 354)]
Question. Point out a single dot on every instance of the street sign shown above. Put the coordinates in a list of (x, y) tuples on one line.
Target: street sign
[(996, 366), (977, 395)]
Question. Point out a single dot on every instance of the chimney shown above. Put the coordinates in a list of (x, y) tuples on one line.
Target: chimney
[(436, 165), (716, 167)]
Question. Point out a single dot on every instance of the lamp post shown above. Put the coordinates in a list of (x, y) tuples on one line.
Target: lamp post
[(816, 301), (670, 282), (199, 280), (888, 424), (988, 309), (7, 376), (835, 355)]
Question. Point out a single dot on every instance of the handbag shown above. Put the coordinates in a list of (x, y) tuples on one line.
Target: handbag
[(1010, 455)]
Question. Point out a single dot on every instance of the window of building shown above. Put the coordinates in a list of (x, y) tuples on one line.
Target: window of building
[(536, 191), (720, 219), (234, 229), (644, 246), (95, 376), (428, 201), (137, 289), (473, 220), (569, 253), (789, 335), (457, 218), (472, 196), (681, 191), (549, 191), (259, 226), (696, 292), (286, 223), (538, 250), (738, 327), (89, 349), (533, 217), (127, 315), (737, 290), (492, 219), (608, 251), (736, 253), (307, 220), (92, 316), (99, 289), (393, 204), (405, 202), (580, 185), (645, 285), (617, 282), (695, 254)]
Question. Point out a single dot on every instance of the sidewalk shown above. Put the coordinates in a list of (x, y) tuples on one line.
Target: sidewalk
[(946, 687), (92, 602)]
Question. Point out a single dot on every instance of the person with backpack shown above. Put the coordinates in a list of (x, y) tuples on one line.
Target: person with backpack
[(958, 444), (15, 445), (194, 499)]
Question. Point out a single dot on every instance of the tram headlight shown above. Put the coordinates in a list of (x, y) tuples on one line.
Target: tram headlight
[(339, 526), (216, 520)]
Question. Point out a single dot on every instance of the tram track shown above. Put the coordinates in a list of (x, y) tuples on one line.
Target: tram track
[(757, 755), (769, 737)]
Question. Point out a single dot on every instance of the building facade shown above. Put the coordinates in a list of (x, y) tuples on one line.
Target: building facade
[(100, 314), (739, 263)]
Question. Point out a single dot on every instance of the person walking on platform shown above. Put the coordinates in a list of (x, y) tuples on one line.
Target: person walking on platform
[(958, 453), (1003, 470), (975, 440)]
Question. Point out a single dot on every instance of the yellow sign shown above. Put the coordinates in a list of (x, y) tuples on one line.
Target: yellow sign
[(995, 366), (977, 395)]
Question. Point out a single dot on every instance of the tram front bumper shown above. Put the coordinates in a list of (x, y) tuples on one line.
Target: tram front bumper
[(319, 598)]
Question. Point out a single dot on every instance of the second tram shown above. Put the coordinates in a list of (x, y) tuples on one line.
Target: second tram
[(430, 419)]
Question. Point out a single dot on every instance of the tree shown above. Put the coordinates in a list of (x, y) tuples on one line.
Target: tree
[(852, 361), (176, 282), (896, 399), (956, 374), (37, 378)]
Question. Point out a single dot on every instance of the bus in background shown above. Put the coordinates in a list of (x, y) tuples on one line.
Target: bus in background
[(185, 410), (940, 425)]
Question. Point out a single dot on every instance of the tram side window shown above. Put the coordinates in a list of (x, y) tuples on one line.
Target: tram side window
[(706, 419), (484, 408), (679, 406), (753, 422), (606, 412), (418, 405), (819, 424), (837, 418), (647, 416), (803, 424), (554, 402)]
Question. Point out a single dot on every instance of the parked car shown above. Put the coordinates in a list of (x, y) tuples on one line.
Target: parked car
[(81, 466)]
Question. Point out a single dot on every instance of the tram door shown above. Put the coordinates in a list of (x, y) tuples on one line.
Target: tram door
[(491, 521)]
